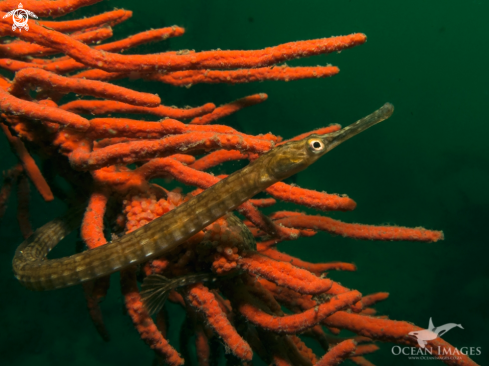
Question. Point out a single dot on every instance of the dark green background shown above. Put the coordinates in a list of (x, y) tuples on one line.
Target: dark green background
[(426, 166)]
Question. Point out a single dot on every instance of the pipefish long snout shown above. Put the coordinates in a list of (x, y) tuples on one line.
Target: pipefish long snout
[(164, 234)]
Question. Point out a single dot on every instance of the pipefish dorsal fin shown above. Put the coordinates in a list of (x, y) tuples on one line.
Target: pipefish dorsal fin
[(154, 292)]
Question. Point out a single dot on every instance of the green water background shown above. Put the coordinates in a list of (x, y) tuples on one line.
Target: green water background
[(427, 166)]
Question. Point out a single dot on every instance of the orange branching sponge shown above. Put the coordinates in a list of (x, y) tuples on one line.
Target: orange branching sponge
[(285, 274), (318, 200), (292, 324), (201, 298), (93, 221), (283, 73), (359, 231), (113, 160), (113, 62), (311, 267), (12, 105), (27, 77), (108, 107), (227, 109), (110, 18), (143, 322), (20, 49), (338, 353), (28, 164)]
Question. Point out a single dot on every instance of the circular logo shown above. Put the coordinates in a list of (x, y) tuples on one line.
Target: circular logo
[(20, 17)]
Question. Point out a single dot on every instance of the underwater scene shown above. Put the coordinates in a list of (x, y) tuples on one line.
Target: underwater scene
[(244, 183)]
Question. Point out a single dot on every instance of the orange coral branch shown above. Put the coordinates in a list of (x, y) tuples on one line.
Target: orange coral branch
[(262, 202), (67, 64), (338, 353), (365, 349), (227, 109), (318, 200), (361, 361), (200, 60), (359, 231), (92, 233), (13, 105), (285, 274), (372, 299), (312, 267), (202, 347), (291, 324), (110, 18), (107, 107), (26, 77), (143, 322), (24, 49), (217, 157), (131, 152), (169, 149), (285, 73), (124, 127), (305, 351), (202, 299), (29, 165), (152, 35), (391, 330), (92, 230)]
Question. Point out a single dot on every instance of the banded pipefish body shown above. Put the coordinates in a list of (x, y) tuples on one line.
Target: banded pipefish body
[(162, 235)]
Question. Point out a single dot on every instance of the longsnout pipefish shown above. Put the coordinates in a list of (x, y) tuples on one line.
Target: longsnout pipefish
[(164, 234)]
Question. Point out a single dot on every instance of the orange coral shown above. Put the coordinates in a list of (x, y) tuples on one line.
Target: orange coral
[(256, 282)]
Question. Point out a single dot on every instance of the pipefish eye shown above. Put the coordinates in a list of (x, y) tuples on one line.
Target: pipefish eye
[(316, 145)]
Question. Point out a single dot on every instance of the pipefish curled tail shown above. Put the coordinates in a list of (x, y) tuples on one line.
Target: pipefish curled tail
[(162, 235)]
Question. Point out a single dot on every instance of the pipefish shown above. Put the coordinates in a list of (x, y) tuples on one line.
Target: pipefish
[(164, 234)]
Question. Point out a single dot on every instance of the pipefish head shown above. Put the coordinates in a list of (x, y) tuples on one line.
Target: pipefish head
[(295, 156)]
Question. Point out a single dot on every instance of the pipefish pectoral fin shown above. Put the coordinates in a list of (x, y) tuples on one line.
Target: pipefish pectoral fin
[(154, 292), (155, 288)]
